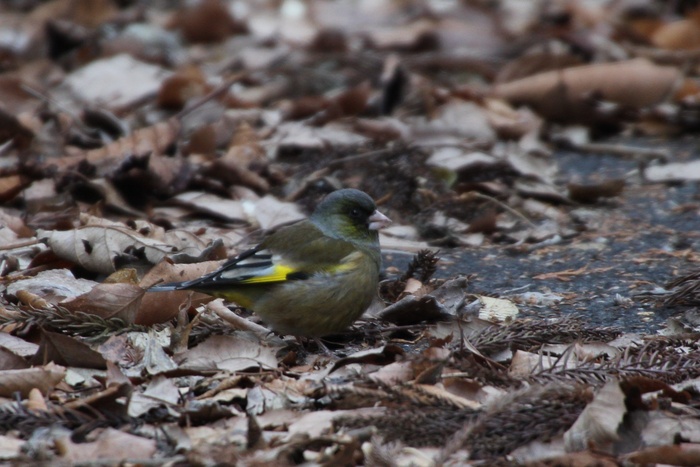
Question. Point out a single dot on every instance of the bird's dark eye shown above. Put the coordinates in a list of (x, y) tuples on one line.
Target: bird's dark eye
[(355, 213)]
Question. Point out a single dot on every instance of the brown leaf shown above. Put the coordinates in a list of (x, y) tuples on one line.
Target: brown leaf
[(67, 351), (12, 129), (43, 378), (109, 301), (683, 34), (11, 361), (675, 454), (160, 307), (12, 185), (207, 21), (181, 87), (569, 274), (592, 192), (565, 94)]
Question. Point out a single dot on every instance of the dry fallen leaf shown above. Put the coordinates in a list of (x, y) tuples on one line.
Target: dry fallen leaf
[(110, 444), (565, 94), (599, 422), (237, 352), (44, 378), (106, 249), (109, 301)]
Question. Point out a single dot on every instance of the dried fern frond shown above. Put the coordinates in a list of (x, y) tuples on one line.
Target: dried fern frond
[(91, 328), (423, 265), (536, 413), (663, 364), (414, 414), (15, 416), (684, 290), (529, 334)]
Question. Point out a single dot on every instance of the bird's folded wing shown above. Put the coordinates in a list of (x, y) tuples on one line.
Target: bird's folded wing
[(258, 268)]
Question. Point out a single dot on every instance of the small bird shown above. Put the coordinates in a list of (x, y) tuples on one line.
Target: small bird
[(311, 278)]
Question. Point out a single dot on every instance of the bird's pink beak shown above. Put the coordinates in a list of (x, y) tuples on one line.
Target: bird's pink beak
[(378, 221)]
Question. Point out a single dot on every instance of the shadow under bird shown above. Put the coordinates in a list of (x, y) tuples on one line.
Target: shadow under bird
[(311, 278)]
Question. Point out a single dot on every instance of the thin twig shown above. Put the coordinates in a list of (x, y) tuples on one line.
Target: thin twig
[(23, 244), (217, 306), (622, 150), (506, 207), (216, 93)]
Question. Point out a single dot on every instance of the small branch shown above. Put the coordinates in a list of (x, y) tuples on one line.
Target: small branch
[(217, 306), (622, 150)]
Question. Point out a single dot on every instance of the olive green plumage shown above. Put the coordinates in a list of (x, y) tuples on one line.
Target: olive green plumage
[(311, 278)]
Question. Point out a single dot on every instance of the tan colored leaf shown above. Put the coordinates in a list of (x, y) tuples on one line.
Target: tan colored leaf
[(101, 82), (673, 454), (598, 423), (221, 208), (110, 444), (497, 310), (673, 172), (231, 353), (17, 346), (43, 378), (270, 212), (160, 391)]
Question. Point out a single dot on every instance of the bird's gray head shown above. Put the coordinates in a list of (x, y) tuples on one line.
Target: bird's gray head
[(349, 214)]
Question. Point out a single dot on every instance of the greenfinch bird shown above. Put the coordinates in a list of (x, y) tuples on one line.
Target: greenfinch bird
[(311, 278)]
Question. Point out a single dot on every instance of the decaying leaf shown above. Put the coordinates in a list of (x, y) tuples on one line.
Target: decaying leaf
[(106, 249), (109, 301), (44, 378), (565, 94), (230, 353), (599, 422)]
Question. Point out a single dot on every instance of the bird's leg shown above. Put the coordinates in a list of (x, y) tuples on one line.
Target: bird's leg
[(303, 343), (323, 347)]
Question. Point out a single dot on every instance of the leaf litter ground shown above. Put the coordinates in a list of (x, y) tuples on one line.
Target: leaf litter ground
[(534, 341)]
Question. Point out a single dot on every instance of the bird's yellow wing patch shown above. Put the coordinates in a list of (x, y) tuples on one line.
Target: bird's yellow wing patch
[(276, 273)]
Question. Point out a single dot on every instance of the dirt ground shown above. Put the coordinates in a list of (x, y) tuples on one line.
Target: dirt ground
[(642, 239)]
